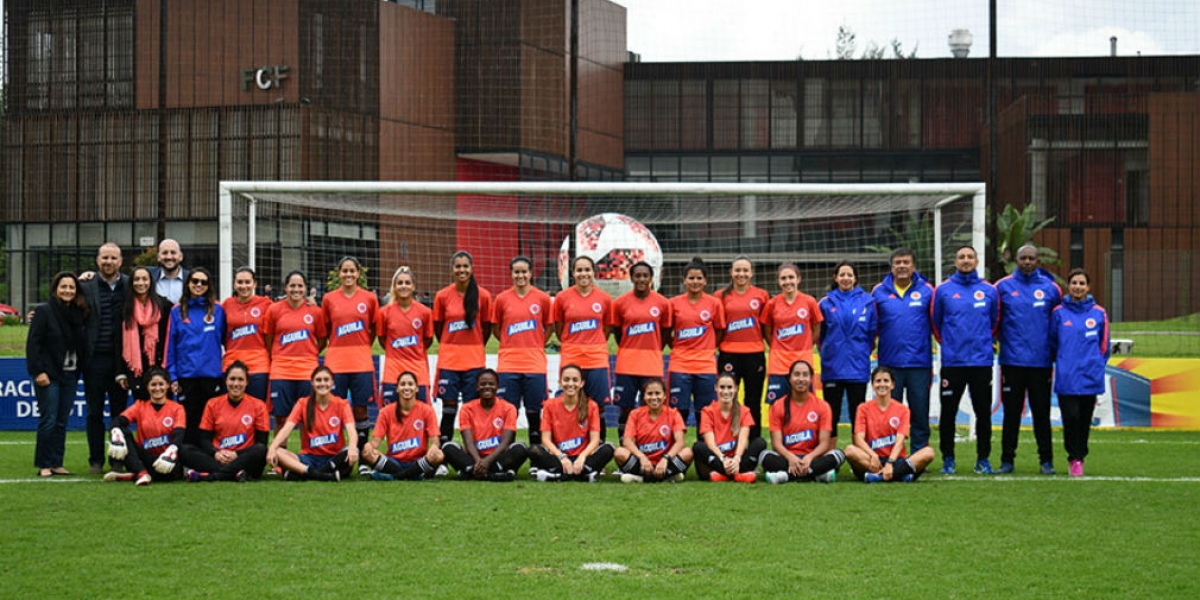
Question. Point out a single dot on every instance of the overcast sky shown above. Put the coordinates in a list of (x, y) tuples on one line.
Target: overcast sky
[(734, 30)]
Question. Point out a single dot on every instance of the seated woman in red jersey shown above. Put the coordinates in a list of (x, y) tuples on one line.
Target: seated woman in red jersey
[(488, 429), (790, 324), (328, 439), (150, 454), (571, 448), (405, 328), (245, 341), (726, 451), (413, 440), (350, 313), (462, 317), (880, 431), (580, 317), (233, 434), (699, 320), (653, 448), (641, 323), (801, 434), (522, 317), (295, 335)]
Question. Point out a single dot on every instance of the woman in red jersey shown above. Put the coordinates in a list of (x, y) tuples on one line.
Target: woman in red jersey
[(245, 340), (405, 328), (350, 313), (462, 313), (328, 440), (580, 317), (801, 434), (726, 449), (641, 322), (233, 434), (790, 324), (571, 448), (699, 325), (142, 343), (151, 453), (653, 447), (522, 317), (488, 429), (295, 335), (880, 432), (743, 351), (413, 448)]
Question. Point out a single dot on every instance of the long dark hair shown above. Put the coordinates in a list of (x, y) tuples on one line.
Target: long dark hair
[(581, 408), (471, 297), (238, 365), (79, 303), (210, 295), (312, 400), (787, 407), (158, 302), (696, 264), (845, 263), (399, 412), (735, 413), (70, 315)]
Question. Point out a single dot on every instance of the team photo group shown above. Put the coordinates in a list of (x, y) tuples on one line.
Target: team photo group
[(204, 389)]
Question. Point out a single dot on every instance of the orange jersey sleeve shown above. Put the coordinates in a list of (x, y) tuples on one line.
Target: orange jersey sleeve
[(521, 328), (294, 345), (653, 436), (583, 319), (460, 345), (402, 334), (696, 326), (801, 432), (234, 427), (244, 336), (792, 328), (743, 318), (351, 322), (155, 427), (327, 436), (712, 421), (882, 426), (487, 426), (640, 322), (562, 425), (407, 439)]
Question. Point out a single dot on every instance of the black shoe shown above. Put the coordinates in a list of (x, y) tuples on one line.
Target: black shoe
[(502, 476)]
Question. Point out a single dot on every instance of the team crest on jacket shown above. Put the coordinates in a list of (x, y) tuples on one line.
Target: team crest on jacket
[(664, 431), (255, 312), (210, 319), (334, 421), (1039, 294), (813, 416), (308, 319), (498, 423), (417, 323), (419, 424), (755, 304), (362, 308), (535, 309), (979, 294), (654, 312), (802, 313), (916, 295), (705, 316), (894, 422), (247, 420), (597, 308), (1091, 323), (168, 422)]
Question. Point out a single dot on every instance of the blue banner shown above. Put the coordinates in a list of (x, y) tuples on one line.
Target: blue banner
[(18, 404)]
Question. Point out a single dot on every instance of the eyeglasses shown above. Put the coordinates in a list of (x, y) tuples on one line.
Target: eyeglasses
[(195, 281)]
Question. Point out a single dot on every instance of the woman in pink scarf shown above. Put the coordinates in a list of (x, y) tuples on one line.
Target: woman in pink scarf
[(143, 331)]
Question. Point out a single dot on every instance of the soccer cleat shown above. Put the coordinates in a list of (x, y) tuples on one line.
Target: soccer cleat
[(365, 471), (983, 466), (1006, 468), (777, 477), (502, 476), (630, 478), (909, 478), (1076, 468), (948, 466), (241, 476), (115, 476), (747, 477), (381, 476), (290, 476), (715, 477), (276, 472), (1047, 468), (872, 478), (534, 472), (192, 475), (594, 476), (143, 479), (826, 477), (441, 471), (676, 478), (541, 475)]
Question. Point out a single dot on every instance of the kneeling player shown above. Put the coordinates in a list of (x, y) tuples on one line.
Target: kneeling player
[(233, 434), (880, 430), (410, 428), (488, 429), (160, 425), (571, 447), (725, 450), (653, 447), (801, 434), (328, 439)]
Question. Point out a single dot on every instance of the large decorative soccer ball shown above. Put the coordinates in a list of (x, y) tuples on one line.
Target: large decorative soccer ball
[(615, 242)]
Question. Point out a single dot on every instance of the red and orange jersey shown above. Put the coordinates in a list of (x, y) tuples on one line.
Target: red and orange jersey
[(460, 346), (695, 330), (244, 336), (562, 425), (487, 426), (801, 433), (351, 322), (407, 439), (743, 320), (653, 436), (882, 426), (521, 329), (640, 322), (583, 320), (792, 328), (294, 345), (328, 434), (155, 428), (403, 335), (234, 427), (712, 421)]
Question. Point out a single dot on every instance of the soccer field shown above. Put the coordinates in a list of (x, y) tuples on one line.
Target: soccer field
[(1128, 529)]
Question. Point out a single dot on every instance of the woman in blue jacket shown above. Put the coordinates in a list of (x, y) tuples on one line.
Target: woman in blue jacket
[(195, 337), (1079, 344), (845, 341)]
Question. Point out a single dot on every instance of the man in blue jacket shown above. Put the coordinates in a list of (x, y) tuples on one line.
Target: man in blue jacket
[(1027, 299), (902, 303), (966, 312)]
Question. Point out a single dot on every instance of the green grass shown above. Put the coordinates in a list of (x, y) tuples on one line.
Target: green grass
[(962, 537)]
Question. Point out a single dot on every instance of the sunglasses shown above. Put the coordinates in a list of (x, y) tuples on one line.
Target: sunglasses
[(198, 281)]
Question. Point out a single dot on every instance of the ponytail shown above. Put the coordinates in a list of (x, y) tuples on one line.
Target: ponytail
[(581, 404), (735, 413), (471, 297), (399, 412)]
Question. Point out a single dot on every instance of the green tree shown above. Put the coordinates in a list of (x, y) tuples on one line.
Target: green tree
[(1016, 228)]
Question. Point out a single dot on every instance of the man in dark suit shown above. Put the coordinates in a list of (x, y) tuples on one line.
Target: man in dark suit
[(169, 276), (105, 296)]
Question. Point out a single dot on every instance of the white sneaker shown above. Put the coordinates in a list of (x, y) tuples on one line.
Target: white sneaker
[(441, 471), (112, 476), (545, 476), (826, 477), (676, 478), (534, 473), (365, 471), (143, 480), (595, 476), (777, 477), (630, 478)]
